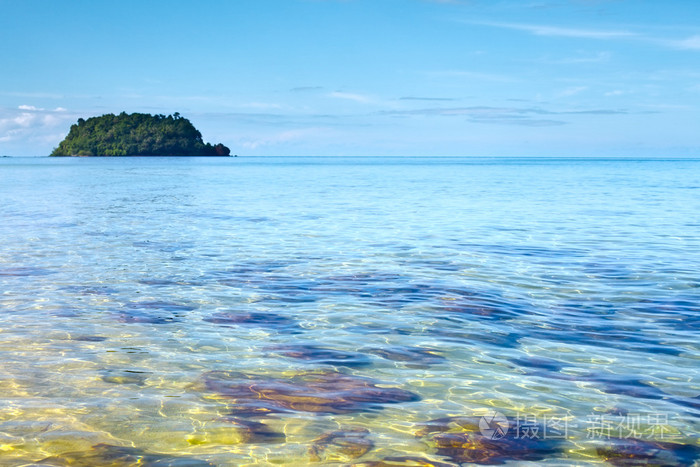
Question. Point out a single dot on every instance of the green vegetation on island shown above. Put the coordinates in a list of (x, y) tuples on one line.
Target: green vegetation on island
[(136, 134)]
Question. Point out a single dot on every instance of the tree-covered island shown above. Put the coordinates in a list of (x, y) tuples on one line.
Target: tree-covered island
[(136, 134)]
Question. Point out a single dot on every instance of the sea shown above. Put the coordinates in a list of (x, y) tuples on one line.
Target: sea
[(403, 311)]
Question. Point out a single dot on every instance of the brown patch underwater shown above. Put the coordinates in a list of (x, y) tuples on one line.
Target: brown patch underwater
[(260, 319), (413, 357), (255, 432), (632, 451), (341, 445), (403, 461), (476, 441), (120, 456), (329, 392), (314, 354)]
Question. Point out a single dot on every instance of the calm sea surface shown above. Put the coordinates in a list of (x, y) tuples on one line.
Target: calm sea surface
[(338, 311)]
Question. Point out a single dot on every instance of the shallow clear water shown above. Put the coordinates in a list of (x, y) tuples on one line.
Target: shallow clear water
[(245, 311)]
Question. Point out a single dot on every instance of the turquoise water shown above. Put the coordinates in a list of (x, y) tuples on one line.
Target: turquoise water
[(323, 311)]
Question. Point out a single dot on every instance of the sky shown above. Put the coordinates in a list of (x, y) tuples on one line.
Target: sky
[(554, 78)]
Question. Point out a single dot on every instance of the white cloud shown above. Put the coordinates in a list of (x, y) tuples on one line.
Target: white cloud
[(544, 30), (600, 57), (473, 75), (691, 43), (35, 95), (351, 96), (262, 106), (572, 91), (522, 116), (32, 124), (284, 137)]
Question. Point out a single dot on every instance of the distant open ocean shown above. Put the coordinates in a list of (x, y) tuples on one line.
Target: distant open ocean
[(349, 311)]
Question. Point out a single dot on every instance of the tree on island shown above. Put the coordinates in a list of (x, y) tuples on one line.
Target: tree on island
[(136, 134)]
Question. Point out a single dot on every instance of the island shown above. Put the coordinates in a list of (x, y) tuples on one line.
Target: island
[(136, 134)]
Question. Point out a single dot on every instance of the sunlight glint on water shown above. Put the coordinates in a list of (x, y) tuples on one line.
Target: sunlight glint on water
[(301, 311)]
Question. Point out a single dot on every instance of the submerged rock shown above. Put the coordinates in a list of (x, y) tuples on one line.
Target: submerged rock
[(161, 306), (145, 318), (88, 338), (632, 451), (629, 385), (125, 377), (99, 290), (341, 445), (268, 320), (322, 356), (256, 432), (120, 456), (403, 461), (413, 356), (480, 440), (167, 282), (539, 363), (313, 391), (25, 271), (156, 312)]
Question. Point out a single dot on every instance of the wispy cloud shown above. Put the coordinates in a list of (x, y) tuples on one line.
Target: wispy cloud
[(600, 57), (472, 75), (557, 31), (40, 109), (285, 137), (262, 105), (418, 98), (34, 95), (690, 43), (307, 89), (279, 119), (525, 116), (532, 122), (572, 91), (361, 98)]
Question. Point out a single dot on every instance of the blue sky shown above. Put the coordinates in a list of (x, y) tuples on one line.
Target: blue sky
[(363, 77)]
